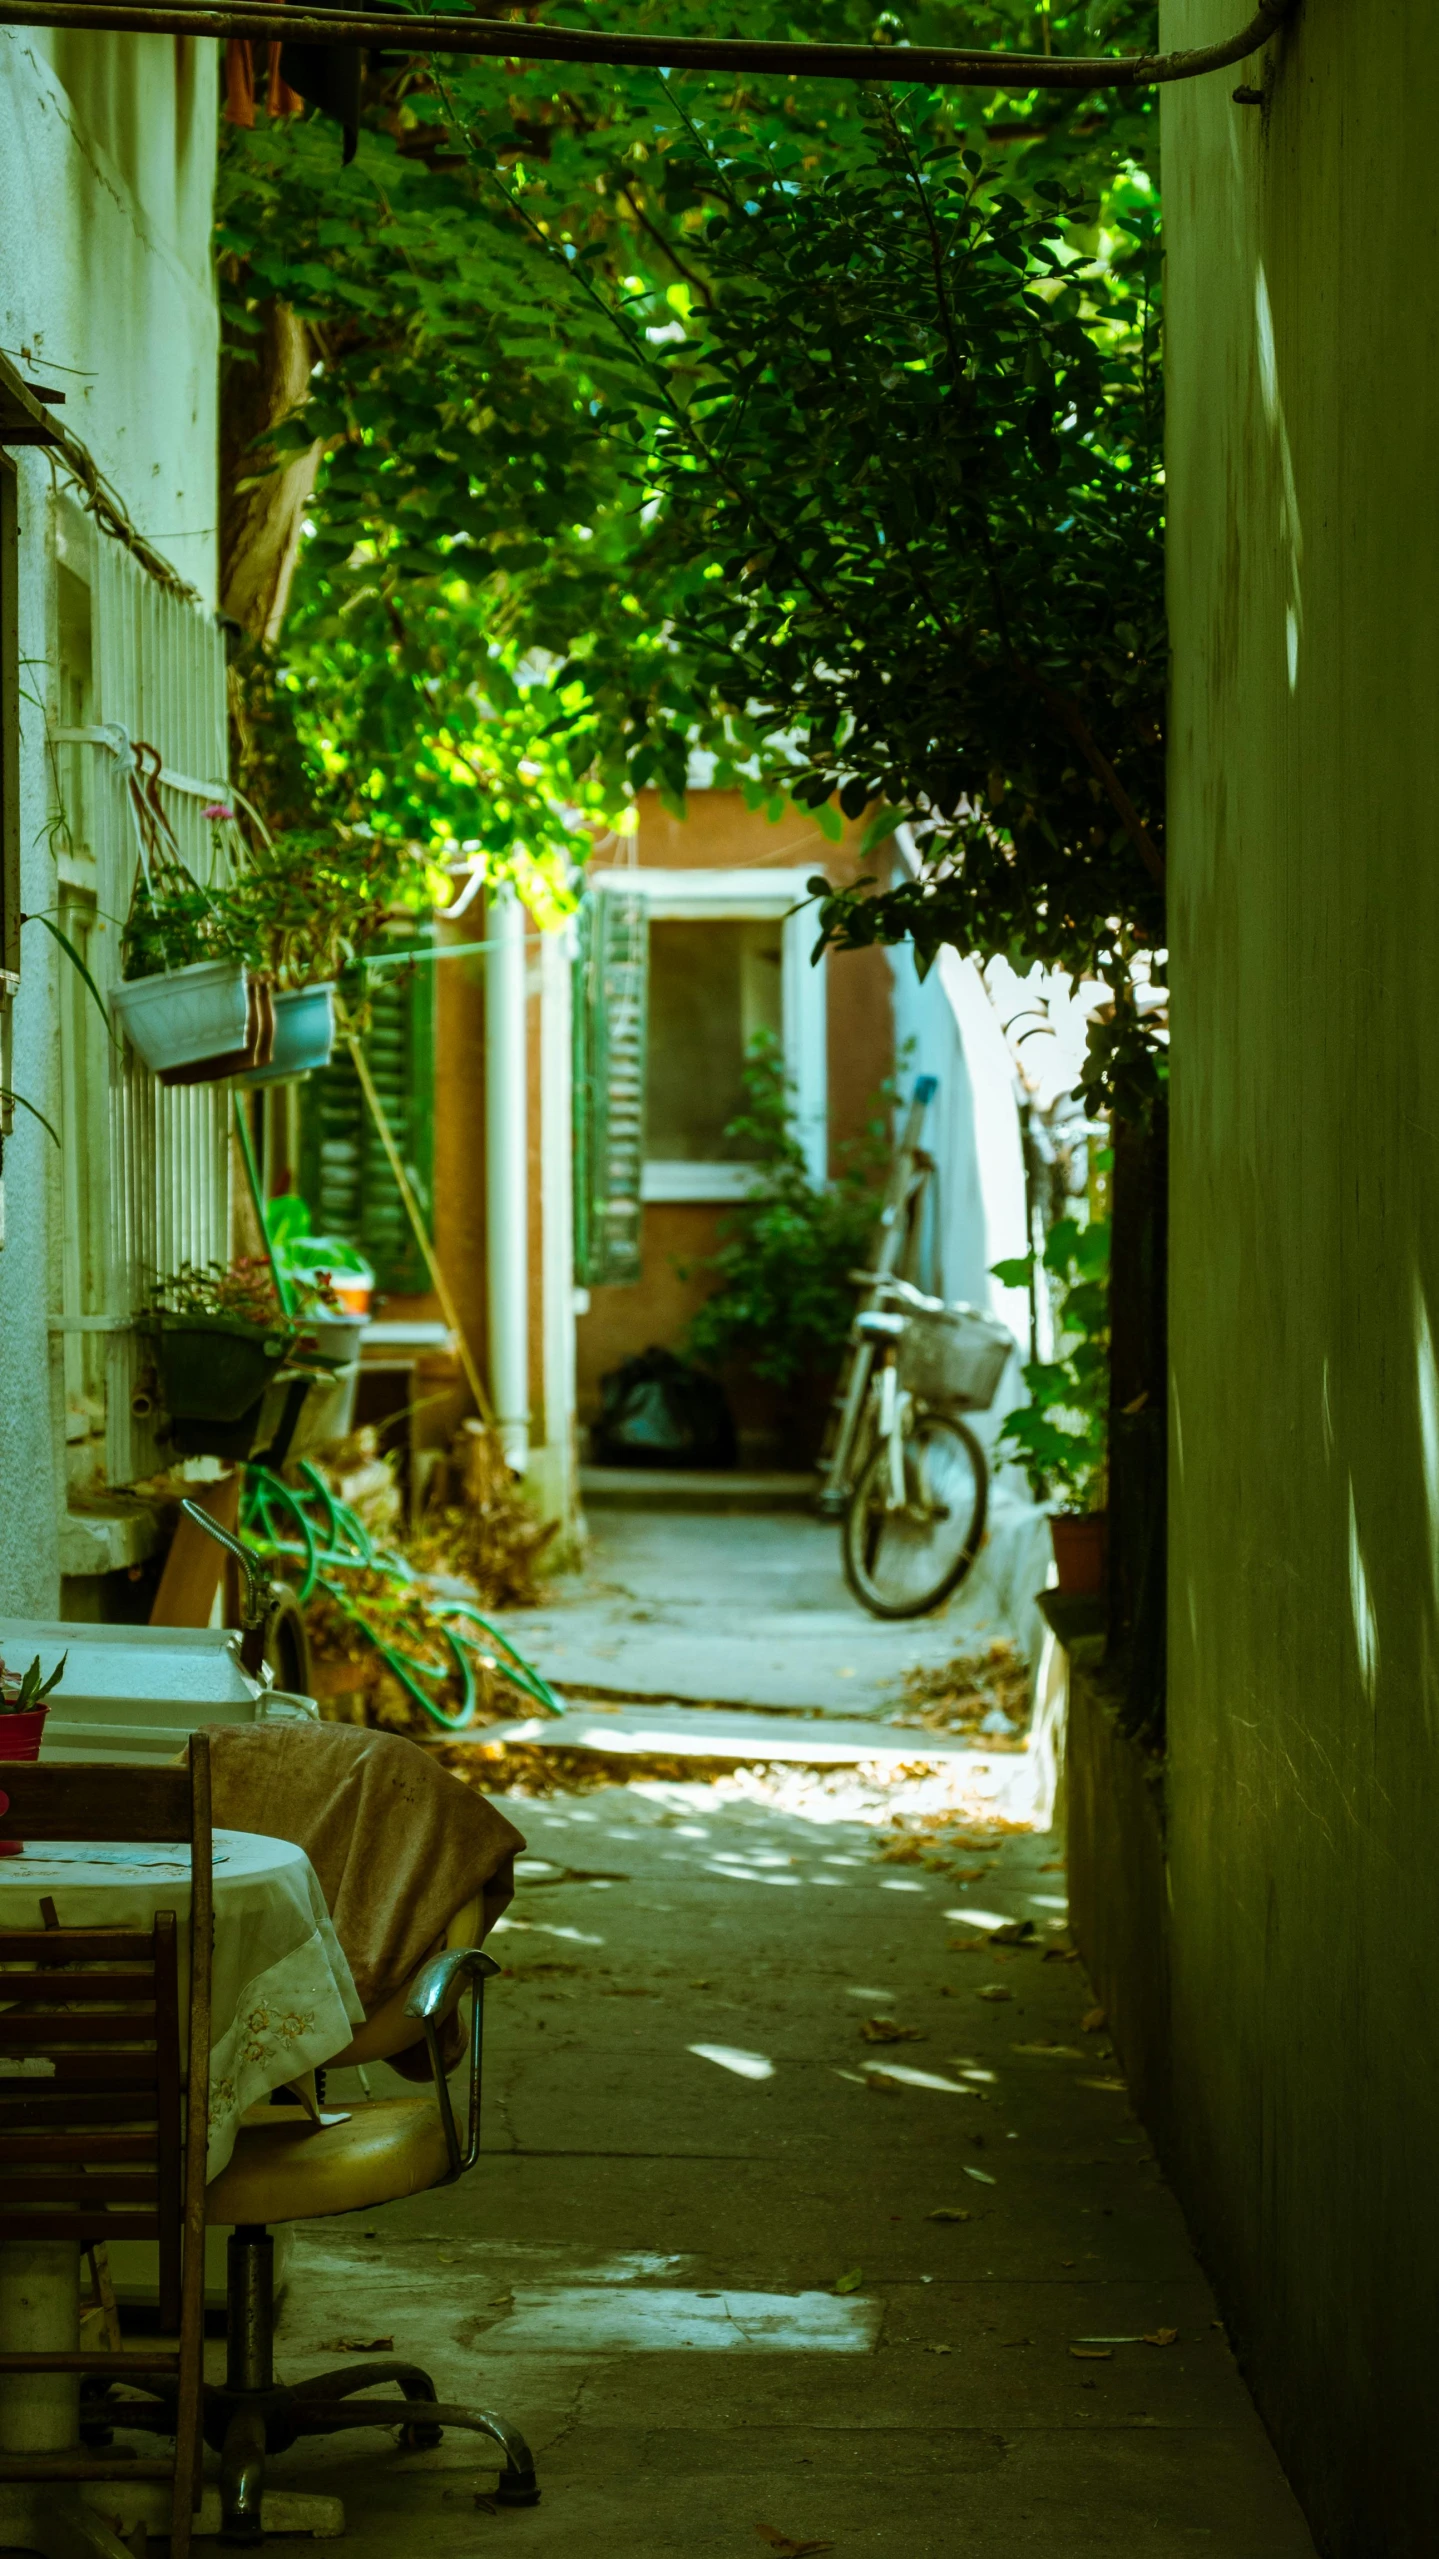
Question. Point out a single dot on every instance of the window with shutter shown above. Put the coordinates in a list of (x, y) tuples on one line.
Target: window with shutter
[(611, 1024), (346, 1179)]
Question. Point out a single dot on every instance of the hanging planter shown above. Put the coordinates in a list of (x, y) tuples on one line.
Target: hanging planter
[(191, 1008), (184, 1016), (214, 1367), (234, 1369), (304, 1034), (255, 1050)]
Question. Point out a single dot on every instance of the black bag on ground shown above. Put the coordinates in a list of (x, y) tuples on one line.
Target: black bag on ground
[(656, 1411)]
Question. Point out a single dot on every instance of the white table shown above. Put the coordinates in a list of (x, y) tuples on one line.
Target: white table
[(282, 2001)]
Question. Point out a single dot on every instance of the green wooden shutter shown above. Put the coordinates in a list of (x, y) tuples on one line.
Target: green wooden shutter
[(347, 1182), (611, 1021)]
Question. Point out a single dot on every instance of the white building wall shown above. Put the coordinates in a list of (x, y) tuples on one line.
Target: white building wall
[(107, 157)]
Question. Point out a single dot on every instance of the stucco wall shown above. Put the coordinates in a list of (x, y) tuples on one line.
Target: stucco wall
[(107, 157), (1303, 1782)]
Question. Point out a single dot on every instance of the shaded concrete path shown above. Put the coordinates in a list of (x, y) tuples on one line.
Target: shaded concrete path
[(752, 1610), (683, 2161)]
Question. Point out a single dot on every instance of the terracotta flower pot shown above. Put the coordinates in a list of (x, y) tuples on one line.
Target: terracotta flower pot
[(1081, 1549), (20, 1738)]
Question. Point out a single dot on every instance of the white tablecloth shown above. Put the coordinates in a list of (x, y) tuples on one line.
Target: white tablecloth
[(282, 2000)]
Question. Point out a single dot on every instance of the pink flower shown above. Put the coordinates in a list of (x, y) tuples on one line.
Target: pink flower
[(219, 812)]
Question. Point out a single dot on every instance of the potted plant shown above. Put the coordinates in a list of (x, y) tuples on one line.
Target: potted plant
[(187, 1001), (1061, 1435), (24, 1705), (782, 1294), (308, 902), (304, 1256), (227, 1352)]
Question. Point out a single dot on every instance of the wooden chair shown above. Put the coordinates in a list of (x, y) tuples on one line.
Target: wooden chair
[(101, 2142)]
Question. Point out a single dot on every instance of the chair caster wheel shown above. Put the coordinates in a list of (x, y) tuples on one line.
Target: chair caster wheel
[(420, 2438), (517, 2488)]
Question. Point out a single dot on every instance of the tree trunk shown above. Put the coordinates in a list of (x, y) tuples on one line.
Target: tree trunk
[(261, 510)]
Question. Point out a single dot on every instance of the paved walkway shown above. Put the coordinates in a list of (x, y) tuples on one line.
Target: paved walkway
[(752, 1610), (754, 2283)]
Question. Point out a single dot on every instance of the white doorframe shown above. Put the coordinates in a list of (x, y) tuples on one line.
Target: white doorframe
[(738, 896)]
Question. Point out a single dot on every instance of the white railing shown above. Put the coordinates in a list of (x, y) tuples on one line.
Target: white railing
[(161, 1196)]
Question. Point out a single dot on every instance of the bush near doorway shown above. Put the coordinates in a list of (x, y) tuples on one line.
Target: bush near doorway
[(783, 1299)]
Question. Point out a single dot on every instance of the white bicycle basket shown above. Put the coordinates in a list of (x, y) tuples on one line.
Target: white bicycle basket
[(952, 1354)]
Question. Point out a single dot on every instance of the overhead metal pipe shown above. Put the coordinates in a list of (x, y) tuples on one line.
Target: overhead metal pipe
[(929, 66)]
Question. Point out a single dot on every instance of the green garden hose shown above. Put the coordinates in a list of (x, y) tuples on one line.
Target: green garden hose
[(281, 1520)]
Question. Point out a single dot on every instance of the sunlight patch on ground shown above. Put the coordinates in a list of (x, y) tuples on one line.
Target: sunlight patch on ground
[(581, 2319), (731, 2057)]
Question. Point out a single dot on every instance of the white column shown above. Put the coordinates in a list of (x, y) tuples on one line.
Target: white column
[(507, 1260), (557, 1492)]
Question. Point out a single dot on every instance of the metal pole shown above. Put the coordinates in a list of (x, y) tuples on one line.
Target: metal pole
[(507, 1206), (517, 40)]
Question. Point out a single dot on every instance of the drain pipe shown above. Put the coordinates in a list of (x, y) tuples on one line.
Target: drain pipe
[(507, 1206)]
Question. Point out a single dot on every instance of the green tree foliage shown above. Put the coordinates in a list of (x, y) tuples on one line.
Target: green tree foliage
[(783, 1297), (1061, 1435), (913, 447), (528, 295)]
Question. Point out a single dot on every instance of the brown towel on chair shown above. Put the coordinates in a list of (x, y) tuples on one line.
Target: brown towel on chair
[(399, 1845)]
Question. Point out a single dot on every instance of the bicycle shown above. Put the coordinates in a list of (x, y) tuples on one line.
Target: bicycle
[(915, 1514)]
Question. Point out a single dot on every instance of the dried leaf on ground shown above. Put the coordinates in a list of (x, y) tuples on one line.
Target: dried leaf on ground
[(969, 1945), (1112, 2087), (981, 2176), (947, 2212), (994, 1990), (1015, 1932), (850, 2282), (880, 2079), (887, 2030), (357, 2345), (1060, 1955), (480, 1524), (960, 1695), (1094, 2021), (787, 2546), (1092, 2354), (1051, 2052), (1160, 2336)]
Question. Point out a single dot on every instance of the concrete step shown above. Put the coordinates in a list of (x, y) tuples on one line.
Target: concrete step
[(713, 1732), (664, 1488)]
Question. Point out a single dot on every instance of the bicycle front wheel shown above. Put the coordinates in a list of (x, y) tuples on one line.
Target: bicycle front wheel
[(901, 1560)]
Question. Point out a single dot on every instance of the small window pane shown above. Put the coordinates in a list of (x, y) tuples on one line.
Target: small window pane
[(712, 987)]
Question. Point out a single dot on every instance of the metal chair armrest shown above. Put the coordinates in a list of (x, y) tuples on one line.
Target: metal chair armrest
[(437, 1986)]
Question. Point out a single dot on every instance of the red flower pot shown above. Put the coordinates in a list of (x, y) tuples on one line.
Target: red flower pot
[(20, 1738), (1081, 1549)]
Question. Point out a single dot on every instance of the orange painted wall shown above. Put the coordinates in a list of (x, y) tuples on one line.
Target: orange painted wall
[(720, 833)]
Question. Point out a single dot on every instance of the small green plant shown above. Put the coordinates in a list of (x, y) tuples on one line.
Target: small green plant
[(1060, 1436), (242, 1291), (784, 1297), (21, 1696), (302, 1255), (311, 902)]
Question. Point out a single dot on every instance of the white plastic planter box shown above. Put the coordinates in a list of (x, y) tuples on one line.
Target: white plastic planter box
[(304, 1034), (136, 1692), (185, 1015)]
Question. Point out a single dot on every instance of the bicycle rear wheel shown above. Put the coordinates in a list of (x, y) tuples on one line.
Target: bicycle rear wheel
[(903, 1562)]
